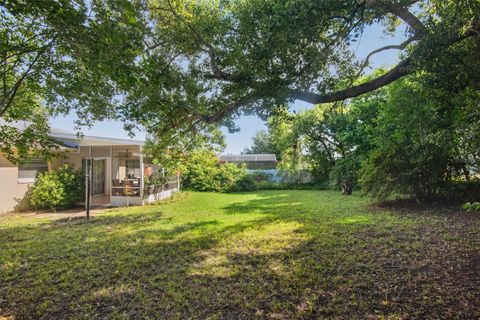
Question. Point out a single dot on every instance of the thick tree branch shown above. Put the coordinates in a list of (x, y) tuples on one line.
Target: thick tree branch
[(402, 69), (216, 72), (400, 12), (232, 107)]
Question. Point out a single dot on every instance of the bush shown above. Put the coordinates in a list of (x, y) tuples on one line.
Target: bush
[(418, 170), (247, 183), (59, 189), (255, 181), (471, 206), (344, 174), (462, 191), (413, 145), (204, 172)]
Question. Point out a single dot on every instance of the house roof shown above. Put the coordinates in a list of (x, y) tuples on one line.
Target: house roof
[(72, 140), (248, 157)]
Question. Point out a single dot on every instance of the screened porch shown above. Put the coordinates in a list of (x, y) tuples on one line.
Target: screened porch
[(136, 180), (120, 175)]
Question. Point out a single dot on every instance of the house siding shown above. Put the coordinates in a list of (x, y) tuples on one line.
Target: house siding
[(12, 193), (75, 158)]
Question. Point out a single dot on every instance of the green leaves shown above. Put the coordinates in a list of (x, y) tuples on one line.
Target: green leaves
[(177, 67), (202, 171), (262, 143), (57, 189), (412, 145)]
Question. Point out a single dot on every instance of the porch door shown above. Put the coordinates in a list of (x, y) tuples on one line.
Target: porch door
[(98, 176)]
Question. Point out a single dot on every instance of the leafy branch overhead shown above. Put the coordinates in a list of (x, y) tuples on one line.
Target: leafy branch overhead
[(247, 51), (176, 66)]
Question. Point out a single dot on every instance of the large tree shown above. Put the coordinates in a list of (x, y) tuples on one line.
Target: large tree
[(250, 55), (175, 66), (59, 55)]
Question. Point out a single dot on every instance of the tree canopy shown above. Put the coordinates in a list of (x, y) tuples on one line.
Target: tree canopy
[(62, 56), (177, 66), (262, 142), (401, 139)]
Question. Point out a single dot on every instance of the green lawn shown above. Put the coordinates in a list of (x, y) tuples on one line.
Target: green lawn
[(269, 254)]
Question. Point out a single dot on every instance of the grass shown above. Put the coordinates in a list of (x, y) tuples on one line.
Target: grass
[(265, 255)]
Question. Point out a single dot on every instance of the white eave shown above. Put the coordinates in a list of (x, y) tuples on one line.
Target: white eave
[(94, 140), (71, 140)]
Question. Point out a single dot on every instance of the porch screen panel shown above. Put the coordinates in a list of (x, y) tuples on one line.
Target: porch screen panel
[(126, 174), (133, 168)]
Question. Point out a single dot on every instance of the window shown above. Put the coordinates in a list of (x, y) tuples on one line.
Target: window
[(132, 168), (27, 172)]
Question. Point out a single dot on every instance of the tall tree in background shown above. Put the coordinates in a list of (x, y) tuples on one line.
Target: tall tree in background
[(399, 139), (262, 143)]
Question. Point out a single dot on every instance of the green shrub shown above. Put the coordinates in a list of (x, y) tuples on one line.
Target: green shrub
[(247, 183), (471, 206), (57, 189), (204, 172), (464, 191), (344, 174), (418, 170), (255, 181)]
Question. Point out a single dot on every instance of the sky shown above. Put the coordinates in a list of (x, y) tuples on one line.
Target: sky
[(372, 39)]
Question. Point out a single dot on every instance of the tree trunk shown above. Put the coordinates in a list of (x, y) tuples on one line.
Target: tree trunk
[(346, 188), (466, 172)]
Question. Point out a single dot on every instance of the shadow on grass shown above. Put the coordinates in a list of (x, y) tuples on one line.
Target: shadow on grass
[(297, 259), (265, 203), (109, 261)]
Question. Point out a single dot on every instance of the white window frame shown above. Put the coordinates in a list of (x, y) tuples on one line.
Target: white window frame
[(33, 179)]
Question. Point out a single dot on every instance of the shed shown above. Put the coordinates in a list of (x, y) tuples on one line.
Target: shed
[(252, 161)]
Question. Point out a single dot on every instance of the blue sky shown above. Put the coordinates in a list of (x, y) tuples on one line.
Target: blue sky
[(373, 38)]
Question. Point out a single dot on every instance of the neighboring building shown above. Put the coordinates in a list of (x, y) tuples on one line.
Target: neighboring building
[(252, 161), (119, 176)]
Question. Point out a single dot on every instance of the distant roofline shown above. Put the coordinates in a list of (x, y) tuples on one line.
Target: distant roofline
[(256, 157)]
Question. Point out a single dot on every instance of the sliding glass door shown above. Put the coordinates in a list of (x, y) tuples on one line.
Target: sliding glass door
[(98, 176)]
